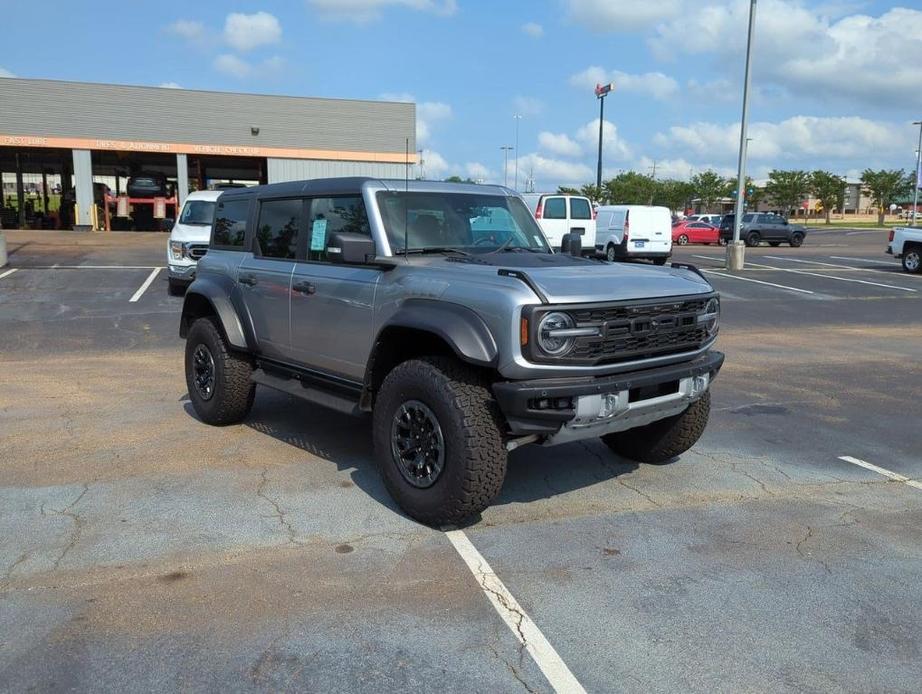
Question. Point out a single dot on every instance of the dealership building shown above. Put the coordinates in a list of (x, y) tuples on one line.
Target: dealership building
[(64, 136)]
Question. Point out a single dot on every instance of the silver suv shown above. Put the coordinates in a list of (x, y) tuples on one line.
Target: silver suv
[(441, 310)]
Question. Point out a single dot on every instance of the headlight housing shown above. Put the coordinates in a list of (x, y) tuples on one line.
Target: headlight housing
[(553, 337), (177, 250), (710, 318)]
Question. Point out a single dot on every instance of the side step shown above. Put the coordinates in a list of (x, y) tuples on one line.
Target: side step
[(300, 389)]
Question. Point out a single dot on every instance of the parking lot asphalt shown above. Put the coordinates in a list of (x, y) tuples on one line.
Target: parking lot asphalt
[(141, 549)]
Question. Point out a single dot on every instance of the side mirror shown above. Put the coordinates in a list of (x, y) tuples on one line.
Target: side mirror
[(572, 244), (353, 249)]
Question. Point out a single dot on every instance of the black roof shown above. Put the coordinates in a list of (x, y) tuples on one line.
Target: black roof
[(353, 184)]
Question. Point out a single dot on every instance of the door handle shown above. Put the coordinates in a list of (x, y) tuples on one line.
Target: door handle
[(248, 280), (304, 288)]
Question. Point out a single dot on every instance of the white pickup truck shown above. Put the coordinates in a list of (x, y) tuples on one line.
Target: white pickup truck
[(906, 244)]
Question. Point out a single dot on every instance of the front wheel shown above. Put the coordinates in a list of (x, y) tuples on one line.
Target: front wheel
[(753, 239), (682, 240), (218, 379), (610, 254), (912, 261), (662, 441), (797, 240), (438, 436)]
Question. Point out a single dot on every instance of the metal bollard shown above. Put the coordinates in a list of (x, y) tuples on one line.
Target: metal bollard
[(3, 258), (736, 256)]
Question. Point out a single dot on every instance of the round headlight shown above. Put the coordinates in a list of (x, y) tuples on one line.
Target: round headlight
[(711, 316), (553, 344)]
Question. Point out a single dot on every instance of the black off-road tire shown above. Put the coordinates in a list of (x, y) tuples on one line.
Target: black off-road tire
[(176, 287), (662, 441), (797, 240), (472, 426), (233, 391)]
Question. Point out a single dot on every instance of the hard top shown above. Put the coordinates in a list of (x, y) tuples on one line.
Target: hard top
[(356, 184)]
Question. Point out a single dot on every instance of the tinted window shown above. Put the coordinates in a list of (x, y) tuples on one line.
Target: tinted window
[(230, 223), (748, 218), (555, 208), (580, 209), (331, 216), (198, 212), (277, 229)]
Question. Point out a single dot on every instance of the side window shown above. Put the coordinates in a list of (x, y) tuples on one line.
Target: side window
[(555, 208), (332, 216), (747, 218), (230, 223), (278, 227), (580, 208)]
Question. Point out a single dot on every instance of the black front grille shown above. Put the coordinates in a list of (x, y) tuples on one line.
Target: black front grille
[(196, 252)]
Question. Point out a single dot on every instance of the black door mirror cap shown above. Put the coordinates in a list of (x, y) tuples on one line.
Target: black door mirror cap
[(351, 249)]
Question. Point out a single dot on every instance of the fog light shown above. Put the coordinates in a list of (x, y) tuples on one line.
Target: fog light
[(609, 405), (699, 384)]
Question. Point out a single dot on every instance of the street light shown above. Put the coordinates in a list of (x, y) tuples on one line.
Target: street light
[(915, 195), (735, 249), (517, 119), (506, 149), (601, 91)]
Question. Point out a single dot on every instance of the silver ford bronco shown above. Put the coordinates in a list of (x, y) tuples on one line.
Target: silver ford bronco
[(441, 310)]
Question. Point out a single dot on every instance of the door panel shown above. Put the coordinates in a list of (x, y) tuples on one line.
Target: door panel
[(264, 285), (554, 221)]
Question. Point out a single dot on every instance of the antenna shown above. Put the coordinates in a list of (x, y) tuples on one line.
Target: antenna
[(406, 208)]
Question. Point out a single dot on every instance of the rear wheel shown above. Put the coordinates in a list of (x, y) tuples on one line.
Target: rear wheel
[(218, 379), (682, 240), (753, 239), (797, 240), (438, 440), (662, 441), (610, 255), (912, 260)]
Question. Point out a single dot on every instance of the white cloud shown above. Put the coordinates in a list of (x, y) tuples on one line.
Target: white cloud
[(434, 164), (170, 85), (188, 29), (654, 84), (559, 144), (621, 15), (361, 11), (479, 172), (801, 138), (553, 172), (613, 147), (233, 66), (533, 29), (244, 32), (427, 114), (528, 105), (6, 73)]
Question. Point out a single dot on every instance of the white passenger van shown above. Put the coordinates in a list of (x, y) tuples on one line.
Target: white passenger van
[(558, 215), (634, 231)]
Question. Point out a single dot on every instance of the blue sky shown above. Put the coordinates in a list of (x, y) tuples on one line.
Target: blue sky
[(836, 83)]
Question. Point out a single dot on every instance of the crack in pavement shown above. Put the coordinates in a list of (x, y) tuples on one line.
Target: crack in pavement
[(279, 514), (803, 555), (77, 527), (512, 669)]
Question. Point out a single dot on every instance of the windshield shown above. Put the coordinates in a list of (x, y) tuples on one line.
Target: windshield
[(464, 222), (198, 212)]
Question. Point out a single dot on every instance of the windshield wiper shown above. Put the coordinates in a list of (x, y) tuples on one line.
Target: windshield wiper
[(433, 249), (507, 249)]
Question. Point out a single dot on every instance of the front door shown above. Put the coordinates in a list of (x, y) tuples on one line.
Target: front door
[(264, 275), (332, 305)]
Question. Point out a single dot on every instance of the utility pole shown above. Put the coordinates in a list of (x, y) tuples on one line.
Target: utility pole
[(506, 149), (517, 119), (601, 91), (915, 195), (736, 249)]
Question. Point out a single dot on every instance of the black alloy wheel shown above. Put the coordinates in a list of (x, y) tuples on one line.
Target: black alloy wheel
[(417, 444), (203, 371)]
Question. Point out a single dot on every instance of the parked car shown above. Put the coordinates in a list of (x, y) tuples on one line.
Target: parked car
[(462, 342), (189, 238), (558, 215), (906, 245), (695, 232), (707, 218), (148, 185), (634, 232), (758, 227)]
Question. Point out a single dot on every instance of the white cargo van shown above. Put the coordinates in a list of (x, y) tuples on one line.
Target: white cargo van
[(634, 231), (558, 215)]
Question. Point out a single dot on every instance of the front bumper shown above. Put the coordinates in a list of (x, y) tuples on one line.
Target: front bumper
[(634, 399), (185, 273)]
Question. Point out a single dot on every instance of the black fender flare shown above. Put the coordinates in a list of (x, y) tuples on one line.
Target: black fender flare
[(219, 294), (460, 327)]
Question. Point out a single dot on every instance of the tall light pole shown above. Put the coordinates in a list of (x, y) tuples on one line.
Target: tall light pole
[(601, 91), (915, 195), (506, 149), (735, 250), (517, 119)]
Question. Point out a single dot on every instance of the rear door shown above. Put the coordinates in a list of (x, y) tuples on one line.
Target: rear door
[(332, 304), (554, 219), (264, 275), (581, 218)]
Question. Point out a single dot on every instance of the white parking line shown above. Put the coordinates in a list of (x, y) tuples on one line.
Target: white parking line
[(882, 471), (833, 277), (749, 279), (143, 287), (90, 267), (842, 267), (713, 258), (525, 630), (8, 273), (890, 263)]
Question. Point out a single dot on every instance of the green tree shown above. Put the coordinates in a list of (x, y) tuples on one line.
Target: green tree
[(458, 179), (674, 194), (591, 191), (630, 188), (567, 190), (829, 189), (884, 187), (787, 189), (709, 188)]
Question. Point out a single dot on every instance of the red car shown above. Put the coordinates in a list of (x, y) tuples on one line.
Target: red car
[(695, 232)]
